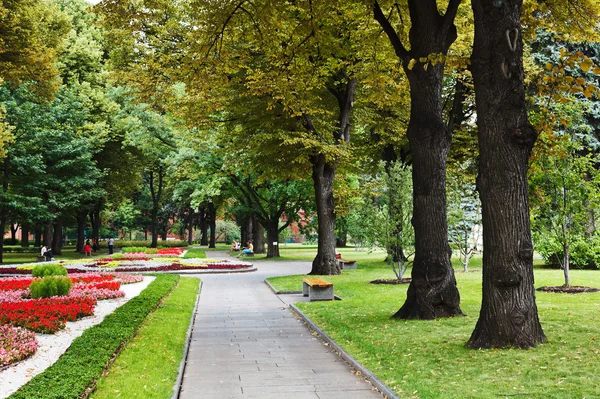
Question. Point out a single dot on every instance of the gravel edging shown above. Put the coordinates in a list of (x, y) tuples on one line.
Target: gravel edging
[(188, 339), (366, 373)]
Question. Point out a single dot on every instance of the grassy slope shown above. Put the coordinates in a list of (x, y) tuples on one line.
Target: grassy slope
[(148, 366), (427, 359)]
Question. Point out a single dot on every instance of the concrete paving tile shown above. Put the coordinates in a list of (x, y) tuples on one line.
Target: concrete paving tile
[(247, 344)]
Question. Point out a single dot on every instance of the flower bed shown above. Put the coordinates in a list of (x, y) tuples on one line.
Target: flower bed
[(13, 284), (46, 315), (27, 271), (222, 265), (15, 344)]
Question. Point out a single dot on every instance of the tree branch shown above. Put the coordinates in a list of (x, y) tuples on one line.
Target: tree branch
[(389, 30)]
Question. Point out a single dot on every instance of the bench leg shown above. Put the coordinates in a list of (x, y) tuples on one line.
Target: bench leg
[(305, 289), (320, 294)]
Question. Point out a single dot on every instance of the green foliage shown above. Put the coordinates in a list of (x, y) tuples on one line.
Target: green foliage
[(49, 269), (50, 286), (227, 231), (32, 35), (85, 360), (145, 250), (383, 214)]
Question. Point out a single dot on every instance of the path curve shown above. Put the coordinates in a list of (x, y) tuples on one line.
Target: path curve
[(246, 343)]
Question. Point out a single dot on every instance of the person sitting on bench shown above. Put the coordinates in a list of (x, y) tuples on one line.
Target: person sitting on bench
[(235, 247), (247, 250), (46, 253)]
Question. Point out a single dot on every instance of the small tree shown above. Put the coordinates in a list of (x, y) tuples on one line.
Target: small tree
[(564, 191), (383, 214), (464, 214)]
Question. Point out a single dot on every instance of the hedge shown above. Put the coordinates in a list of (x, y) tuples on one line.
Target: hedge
[(77, 370)]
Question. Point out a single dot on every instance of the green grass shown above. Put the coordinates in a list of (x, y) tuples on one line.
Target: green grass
[(148, 366), (428, 359), (195, 253)]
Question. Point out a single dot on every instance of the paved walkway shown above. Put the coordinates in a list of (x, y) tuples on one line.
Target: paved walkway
[(247, 344)]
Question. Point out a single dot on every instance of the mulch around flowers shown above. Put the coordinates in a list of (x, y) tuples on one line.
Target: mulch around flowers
[(392, 281), (575, 289)]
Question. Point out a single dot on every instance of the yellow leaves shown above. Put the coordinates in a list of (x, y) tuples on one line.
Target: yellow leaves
[(411, 64), (586, 64)]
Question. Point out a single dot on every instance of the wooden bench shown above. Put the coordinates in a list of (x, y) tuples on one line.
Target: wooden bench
[(317, 289), (41, 259), (347, 264)]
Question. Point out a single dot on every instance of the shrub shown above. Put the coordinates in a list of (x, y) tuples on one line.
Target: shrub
[(50, 286), (51, 269)]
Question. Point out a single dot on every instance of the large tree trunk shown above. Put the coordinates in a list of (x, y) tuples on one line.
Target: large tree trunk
[(25, 235), (258, 237), (81, 219), (323, 175), (203, 226), (38, 238), (272, 238), (212, 220), (48, 235), (57, 237), (432, 292), (13, 233), (154, 227), (508, 316), (190, 225), (95, 221)]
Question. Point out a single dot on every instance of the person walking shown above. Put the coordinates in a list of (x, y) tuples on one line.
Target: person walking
[(87, 248), (111, 245)]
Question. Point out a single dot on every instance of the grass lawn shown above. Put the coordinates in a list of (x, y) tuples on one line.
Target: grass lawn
[(194, 253), (148, 366), (427, 359)]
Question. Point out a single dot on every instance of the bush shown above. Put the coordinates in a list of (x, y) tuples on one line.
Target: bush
[(227, 231), (145, 244), (583, 254), (50, 286), (51, 269)]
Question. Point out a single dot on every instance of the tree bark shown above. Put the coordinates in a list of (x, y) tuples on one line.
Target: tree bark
[(57, 237), (258, 237), (323, 175), (190, 225), (432, 292), (13, 233), (25, 235), (508, 316), (212, 220), (81, 219), (272, 237), (38, 238), (203, 226)]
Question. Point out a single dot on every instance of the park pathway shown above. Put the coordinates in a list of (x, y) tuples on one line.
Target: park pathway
[(247, 344)]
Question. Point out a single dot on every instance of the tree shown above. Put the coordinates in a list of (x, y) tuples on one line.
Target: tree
[(508, 314), (564, 191), (269, 200), (432, 292), (464, 212), (31, 37)]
